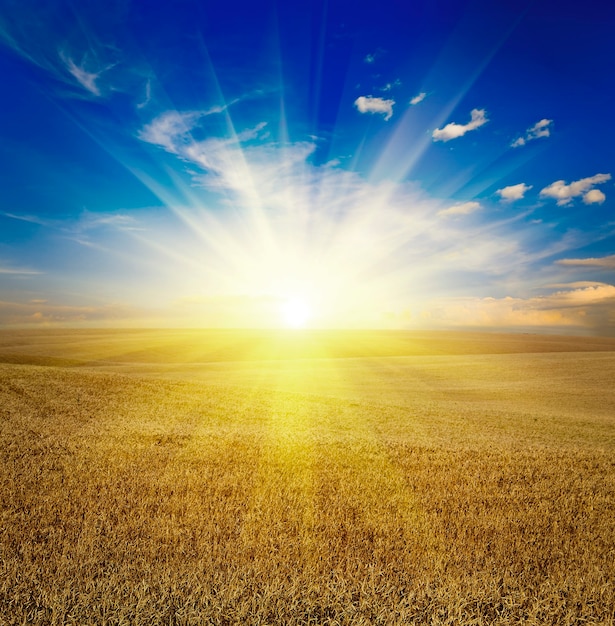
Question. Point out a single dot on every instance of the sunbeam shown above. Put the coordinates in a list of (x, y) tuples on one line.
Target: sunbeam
[(375, 173)]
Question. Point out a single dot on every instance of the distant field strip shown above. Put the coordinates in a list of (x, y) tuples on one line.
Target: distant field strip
[(316, 483)]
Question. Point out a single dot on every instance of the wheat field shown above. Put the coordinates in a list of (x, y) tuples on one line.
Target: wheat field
[(222, 477)]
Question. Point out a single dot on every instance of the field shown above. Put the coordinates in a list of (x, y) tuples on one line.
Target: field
[(226, 477)]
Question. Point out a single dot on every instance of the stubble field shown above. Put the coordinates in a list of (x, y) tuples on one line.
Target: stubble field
[(176, 477)]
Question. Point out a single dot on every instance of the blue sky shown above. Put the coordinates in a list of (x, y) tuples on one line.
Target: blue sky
[(394, 165)]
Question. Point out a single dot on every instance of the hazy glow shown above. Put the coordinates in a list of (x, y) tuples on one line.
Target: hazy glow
[(260, 180), (296, 312)]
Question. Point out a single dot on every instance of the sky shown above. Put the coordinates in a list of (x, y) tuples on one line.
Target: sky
[(419, 164)]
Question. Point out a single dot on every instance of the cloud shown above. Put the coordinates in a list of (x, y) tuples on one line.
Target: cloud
[(464, 208), (605, 262), (32, 219), (171, 130), (165, 129), (540, 129), (73, 46), (578, 293), (594, 196), (357, 243), (119, 221), (453, 131), (147, 95), (565, 193), (84, 78), (82, 227), (513, 192), (418, 98), (41, 313), (369, 104), (372, 57), (88, 72), (390, 86), (576, 305), (297, 223), (17, 271)]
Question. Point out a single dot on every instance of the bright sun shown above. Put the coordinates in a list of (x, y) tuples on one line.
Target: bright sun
[(295, 312)]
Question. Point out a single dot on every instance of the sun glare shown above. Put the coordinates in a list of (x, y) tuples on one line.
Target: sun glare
[(295, 312)]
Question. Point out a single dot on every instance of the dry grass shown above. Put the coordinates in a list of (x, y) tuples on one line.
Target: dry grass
[(457, 489)]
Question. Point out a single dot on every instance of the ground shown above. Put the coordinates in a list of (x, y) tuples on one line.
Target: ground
[(178, 477)]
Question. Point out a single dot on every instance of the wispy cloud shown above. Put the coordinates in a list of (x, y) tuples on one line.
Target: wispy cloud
[(513, 192), (85, 221), (390, 86), (147, 94), (464, 208), (370, 104), (478, 118), (418, 98), (605, 262), (71, 44), (368, 238), (220, 158), (119, 221), (363, 233), (171, 130), (87, 79), (164, 130), (32, 219), (540, 129), (97, 231), (564, 193), (18, 271)]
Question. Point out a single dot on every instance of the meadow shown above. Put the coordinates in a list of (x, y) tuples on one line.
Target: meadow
[(239, 477)]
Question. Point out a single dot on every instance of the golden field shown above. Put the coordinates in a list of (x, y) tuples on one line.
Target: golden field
[(236, 477)]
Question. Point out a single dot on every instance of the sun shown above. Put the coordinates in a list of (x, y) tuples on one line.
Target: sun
[(295, 312)]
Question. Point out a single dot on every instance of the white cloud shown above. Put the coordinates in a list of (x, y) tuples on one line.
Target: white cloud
[(575, 305), (289, 211), (418, 98), (251, 133), (606, 262), (453, 131), (565, 193), (166, 129), (594, 196), (513, 192), (369, 104), (540, 129), (359, 244), (369, 58), (171, 130), (464, 208)]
